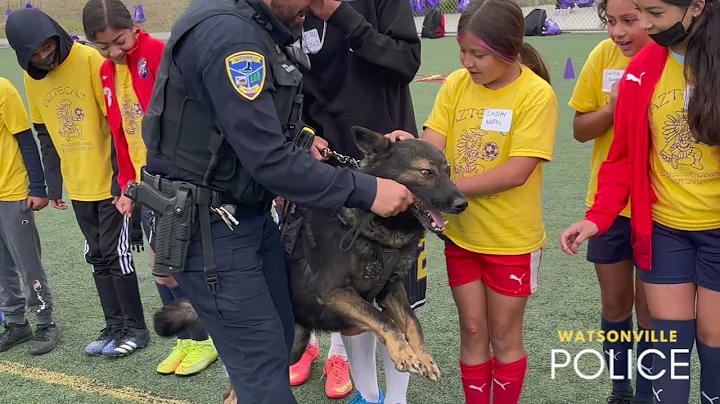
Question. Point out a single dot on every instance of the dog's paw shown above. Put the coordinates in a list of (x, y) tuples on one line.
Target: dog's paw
[(430, 369), (406, 360)]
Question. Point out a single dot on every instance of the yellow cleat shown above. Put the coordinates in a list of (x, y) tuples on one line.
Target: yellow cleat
[(201, 355), (171, 363)]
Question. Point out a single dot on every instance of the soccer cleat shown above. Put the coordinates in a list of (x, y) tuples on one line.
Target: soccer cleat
[(45, 339), (620, 397), (106, 336), (300, 372), (178, 353), (358, 399), (201, 354), (15, 334), (338, 384), (127, 342)]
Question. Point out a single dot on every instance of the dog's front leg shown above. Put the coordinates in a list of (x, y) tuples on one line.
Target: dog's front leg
[(361, 314), (395, 304)]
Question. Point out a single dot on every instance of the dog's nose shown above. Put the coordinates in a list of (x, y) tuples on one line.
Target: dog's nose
[(459, 204)]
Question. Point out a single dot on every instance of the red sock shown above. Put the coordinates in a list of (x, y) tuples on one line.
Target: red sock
[(508, 380), (477, 382)]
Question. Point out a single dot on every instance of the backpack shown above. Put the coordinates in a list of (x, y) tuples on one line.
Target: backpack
[(462, 5), (535, 22), (433, 24), (432, 3)]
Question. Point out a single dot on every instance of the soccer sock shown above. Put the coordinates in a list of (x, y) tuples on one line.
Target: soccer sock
[(396, 382), (477, 382), (643, 386), (508, 380), (361, 357), (669, 388), (178, 294), (313, 341), (336, 346), (709, 373), (616, 353)]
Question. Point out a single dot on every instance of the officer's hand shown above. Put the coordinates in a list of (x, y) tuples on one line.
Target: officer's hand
[(324, 8), (58, 204), (125, 205), (391, 198), (318, 144)]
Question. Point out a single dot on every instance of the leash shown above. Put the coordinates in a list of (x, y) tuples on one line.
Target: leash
[(341, 158)]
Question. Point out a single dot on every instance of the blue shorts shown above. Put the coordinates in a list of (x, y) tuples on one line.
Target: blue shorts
[(613, 246), (680, 256)]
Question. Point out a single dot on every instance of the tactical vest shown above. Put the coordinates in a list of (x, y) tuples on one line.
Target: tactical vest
[(179, 128)]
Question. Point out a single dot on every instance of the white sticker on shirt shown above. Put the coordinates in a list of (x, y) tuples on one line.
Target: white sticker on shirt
[(688, 93), (611, 77), (311, 41), (497, 120)]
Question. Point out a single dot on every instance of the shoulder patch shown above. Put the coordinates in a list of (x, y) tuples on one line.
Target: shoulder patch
[(246, 71)]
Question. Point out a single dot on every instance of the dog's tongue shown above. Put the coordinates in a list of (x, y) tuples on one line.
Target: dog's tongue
[(437, 217)]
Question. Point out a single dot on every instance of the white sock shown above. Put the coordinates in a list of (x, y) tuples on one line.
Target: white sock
[(313, 341), (336, 346), (361, 356), (396, 383)]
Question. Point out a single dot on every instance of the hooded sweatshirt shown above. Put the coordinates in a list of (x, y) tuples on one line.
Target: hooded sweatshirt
[(363, 60), (67, 109)]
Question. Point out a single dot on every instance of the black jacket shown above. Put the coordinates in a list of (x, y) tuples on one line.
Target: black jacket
[(361, 75)]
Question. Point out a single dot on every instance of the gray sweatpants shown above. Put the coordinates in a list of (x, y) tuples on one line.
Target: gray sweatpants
[(20, 257)]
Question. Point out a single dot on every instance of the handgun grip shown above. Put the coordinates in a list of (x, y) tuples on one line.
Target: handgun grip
[(131, 191)]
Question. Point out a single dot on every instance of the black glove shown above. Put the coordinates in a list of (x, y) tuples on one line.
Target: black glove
[(136, 232)]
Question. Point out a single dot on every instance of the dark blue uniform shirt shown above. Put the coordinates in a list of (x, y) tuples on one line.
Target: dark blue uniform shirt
[(252, 127)]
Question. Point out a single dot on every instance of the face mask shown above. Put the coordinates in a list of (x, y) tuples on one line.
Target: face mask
[(674, 35), (47, 63)]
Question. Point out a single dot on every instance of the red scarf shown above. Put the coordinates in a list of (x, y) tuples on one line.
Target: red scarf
[(626, 171), (143, 62)]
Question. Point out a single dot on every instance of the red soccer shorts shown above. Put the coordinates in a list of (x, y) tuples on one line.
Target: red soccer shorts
[(510, 275)]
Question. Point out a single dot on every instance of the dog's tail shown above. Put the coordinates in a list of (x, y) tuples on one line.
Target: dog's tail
[(302, 337), (176, 317)]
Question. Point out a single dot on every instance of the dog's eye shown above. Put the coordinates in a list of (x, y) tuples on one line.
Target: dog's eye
[(426, 173)]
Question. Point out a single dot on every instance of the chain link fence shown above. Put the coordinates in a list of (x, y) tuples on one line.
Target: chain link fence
[(570, 15)]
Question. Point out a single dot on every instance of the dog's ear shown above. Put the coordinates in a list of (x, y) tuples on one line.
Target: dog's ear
[(370, 142)]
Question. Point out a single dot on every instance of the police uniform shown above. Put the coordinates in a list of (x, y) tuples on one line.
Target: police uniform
[(226, 99)]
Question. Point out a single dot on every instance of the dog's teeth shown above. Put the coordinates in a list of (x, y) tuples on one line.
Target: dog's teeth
[(446, 222)]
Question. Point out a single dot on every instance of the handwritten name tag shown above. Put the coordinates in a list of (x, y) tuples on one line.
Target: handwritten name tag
[(497, 120), (311, 41), (611, 77)]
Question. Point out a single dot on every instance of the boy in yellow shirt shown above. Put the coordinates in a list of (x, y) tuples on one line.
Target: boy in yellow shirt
[(67, 108), (22, 191)]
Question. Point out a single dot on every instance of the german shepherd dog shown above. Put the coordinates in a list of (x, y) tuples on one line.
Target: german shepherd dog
[(334, 284)]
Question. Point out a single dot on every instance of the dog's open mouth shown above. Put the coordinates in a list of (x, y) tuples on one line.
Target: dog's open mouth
[(430, 217)]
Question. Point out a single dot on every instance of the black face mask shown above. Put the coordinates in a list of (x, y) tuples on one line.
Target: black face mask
[(48, 63), (674, 35)]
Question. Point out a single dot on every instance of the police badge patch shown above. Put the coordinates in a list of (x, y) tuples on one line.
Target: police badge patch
[(246, 71)]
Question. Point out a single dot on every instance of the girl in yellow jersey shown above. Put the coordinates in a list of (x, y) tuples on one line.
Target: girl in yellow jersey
[(495, 120), (594, 102), (665, 160)]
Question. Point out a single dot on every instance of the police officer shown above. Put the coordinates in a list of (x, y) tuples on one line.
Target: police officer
[(226, 100)]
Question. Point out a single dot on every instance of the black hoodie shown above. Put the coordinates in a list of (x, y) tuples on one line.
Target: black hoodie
[(361, 73), (27, 29)]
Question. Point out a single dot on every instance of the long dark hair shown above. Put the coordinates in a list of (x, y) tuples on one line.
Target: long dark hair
[(501, 25), (99, 15), (702, 61)]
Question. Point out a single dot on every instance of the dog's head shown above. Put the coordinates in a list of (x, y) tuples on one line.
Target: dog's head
[(418, 165)]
